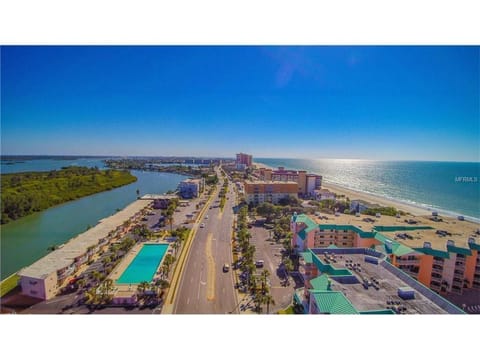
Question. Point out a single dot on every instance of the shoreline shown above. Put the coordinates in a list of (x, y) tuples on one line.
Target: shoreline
[(414, 209), (375, 199)]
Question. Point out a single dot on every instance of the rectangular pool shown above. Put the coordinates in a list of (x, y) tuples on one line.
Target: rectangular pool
[(144, 265)]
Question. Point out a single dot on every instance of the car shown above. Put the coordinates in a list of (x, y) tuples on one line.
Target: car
[(202, 225), (259, 263), (226, 267), (206, 217)]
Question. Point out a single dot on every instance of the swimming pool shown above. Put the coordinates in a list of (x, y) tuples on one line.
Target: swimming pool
[(144, 265)]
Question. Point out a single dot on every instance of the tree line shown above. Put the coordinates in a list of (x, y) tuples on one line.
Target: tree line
[(29, 192)]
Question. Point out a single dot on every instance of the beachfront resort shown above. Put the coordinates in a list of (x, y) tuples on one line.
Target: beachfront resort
[(440, 253)]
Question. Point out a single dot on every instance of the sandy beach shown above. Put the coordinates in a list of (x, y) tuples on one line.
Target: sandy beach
[(374, 199)]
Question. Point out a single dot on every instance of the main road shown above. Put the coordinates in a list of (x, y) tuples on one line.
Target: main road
[(204, 288)]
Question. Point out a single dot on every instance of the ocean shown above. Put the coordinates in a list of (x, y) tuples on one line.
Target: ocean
[(449, 187)]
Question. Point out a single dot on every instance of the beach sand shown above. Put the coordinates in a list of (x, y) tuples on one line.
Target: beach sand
[(374, 199)]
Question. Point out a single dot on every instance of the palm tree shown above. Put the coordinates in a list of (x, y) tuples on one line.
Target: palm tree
[(265, 273), (96, 275), (141, 288), (81, 283), (154, 289), (91, 296), (288, 267), (164, 269), (170, 219), (105, 289), (176, 245), (268, 299)]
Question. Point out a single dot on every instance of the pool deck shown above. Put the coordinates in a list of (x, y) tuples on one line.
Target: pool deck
[(130, 289)]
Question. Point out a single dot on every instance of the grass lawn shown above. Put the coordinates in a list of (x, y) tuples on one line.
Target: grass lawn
[(9, 284)]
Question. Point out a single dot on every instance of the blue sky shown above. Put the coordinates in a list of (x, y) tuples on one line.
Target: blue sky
[(388, 103)]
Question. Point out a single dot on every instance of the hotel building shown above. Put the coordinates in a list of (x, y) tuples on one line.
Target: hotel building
[(45, 277), (191, 188), (257, 192), (243, 161), (422, 252), (322, 194), (307, 183), (362, 281)]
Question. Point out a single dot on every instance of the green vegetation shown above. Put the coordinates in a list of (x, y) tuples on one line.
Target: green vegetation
[(168, 213), (223, 194), (181, 234), (210, 179), (287, 311), (9, 284), (389, 211), (29, 192)]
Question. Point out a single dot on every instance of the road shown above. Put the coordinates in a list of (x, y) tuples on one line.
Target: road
[(204, 288)]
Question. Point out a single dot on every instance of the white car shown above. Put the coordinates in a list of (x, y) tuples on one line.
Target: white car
[(202, 225), (206, 217)]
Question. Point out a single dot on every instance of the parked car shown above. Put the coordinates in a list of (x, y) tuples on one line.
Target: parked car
[(226, 267), (259, 263), (202, 225)]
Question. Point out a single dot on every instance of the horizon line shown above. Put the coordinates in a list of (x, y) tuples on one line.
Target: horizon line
[(233, 157)]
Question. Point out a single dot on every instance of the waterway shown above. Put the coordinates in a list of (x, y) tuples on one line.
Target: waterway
[(26, 240)]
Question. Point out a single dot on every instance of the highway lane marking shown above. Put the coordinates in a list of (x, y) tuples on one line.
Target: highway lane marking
[(210, 268)]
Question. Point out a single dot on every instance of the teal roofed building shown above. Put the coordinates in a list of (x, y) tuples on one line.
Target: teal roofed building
[(345, 282), (442, 264)]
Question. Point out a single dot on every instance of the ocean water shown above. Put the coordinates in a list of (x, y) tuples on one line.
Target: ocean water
[(449, 187), (47, 164)]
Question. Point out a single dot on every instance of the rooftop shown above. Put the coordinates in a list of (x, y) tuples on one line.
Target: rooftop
[(191, 181), (77, 246), (158, 197), (269, 182), (421, 229), (458, 231), (370, 299)]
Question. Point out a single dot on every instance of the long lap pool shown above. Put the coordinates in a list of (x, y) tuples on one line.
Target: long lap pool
[(144, 265)]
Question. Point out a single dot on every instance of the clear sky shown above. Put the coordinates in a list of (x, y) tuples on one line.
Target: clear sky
[(392, 103)]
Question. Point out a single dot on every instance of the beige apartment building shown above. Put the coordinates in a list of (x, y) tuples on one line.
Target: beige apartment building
[(257, 192)]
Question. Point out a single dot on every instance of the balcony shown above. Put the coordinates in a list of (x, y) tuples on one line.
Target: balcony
[(438, 262), (437, 270), (457, 282), (435, 287), (401, 261)]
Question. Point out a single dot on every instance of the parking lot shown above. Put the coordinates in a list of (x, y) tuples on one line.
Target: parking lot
[(271, 254)]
